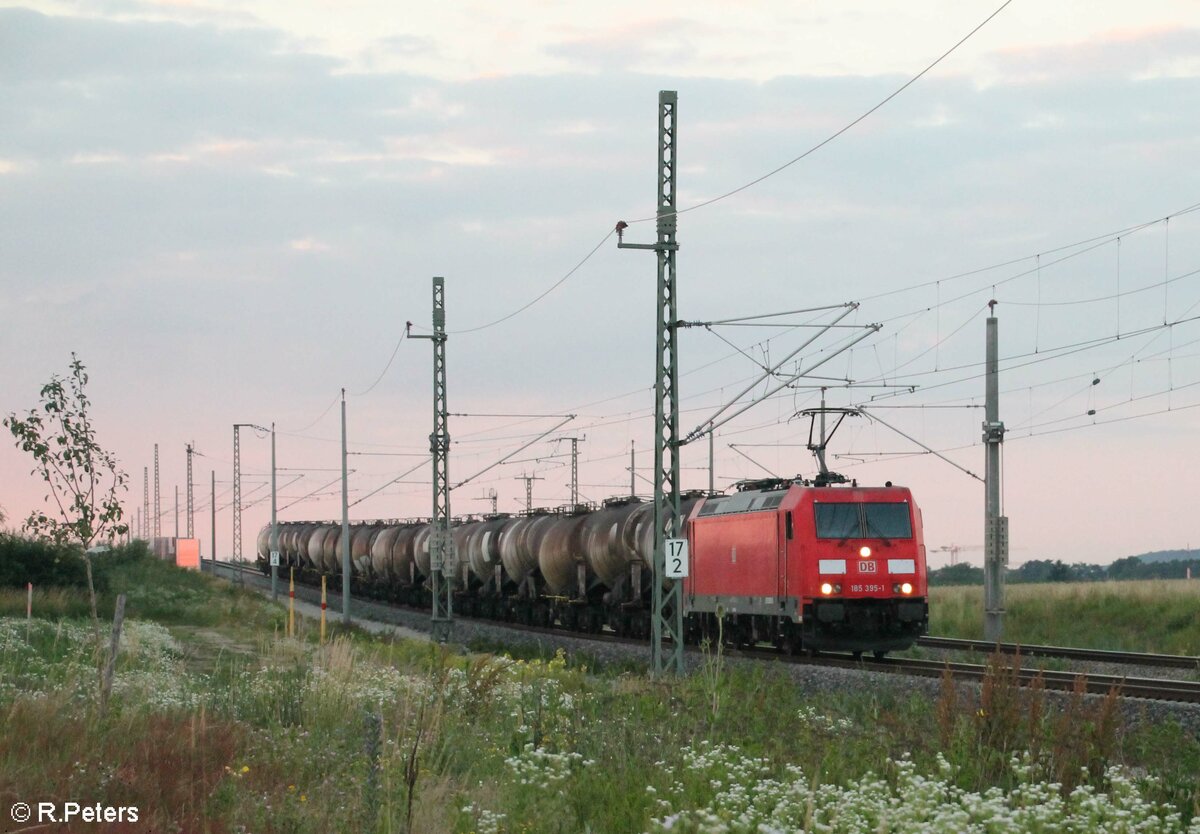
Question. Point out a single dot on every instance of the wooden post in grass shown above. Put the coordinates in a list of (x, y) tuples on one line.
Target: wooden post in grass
[(322, 610), (110, 667), (28, 608), (292, 603)]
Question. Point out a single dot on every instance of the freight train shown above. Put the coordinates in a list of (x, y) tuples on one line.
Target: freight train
[(805, 566)]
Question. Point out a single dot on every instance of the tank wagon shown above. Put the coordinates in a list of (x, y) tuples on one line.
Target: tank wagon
[(802, 566)]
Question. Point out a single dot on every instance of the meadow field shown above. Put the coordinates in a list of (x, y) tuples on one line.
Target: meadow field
[(219, 723), (1157, 615)]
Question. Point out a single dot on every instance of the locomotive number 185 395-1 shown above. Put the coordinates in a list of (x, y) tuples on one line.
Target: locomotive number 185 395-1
[(866, 589)]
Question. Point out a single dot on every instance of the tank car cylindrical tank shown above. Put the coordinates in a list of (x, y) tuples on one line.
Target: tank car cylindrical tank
[(483, 548), (459, 535), (301, 546), (300, 542), (286, 531), (421, 548), (423, 556), (316, 546), (520, 544), (381, 551), (607, 538), (559, 555), (640, 527), (264, 543), (360, 546), (514, 567), (331, 551), (404, 560)]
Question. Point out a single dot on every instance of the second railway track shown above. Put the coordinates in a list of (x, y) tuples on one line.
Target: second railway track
[(1129, 687), (1166, 661)]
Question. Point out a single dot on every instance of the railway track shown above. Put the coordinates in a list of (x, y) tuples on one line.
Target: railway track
[(1158, 689), (1129, 687), (1168, 661)]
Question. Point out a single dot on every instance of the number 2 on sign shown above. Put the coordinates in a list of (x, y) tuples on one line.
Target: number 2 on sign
[(677, 558)]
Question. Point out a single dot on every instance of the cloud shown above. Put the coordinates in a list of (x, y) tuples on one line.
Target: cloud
[(96, 159), (405, 45), (184, 198), (1164, 52), (309, 244), (630, 47)]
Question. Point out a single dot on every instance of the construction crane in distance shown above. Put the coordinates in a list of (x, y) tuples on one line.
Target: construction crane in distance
[(955, 549)]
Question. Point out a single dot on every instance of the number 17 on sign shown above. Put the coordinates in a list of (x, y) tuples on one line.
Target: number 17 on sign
[(677, 558)]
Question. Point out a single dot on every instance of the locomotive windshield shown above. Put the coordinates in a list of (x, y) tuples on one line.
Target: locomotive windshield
[(845, 520)]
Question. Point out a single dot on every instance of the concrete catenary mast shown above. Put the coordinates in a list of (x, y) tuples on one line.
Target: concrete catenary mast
[(345, 519), (995, 559), (274, 524), (191, 507)]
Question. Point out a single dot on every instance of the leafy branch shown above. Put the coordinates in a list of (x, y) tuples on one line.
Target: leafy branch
[(83, 480)]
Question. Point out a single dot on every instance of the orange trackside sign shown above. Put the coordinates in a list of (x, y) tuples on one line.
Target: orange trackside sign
[(187, 553)]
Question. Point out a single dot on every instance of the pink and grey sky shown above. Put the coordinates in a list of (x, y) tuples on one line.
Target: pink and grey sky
[(229, 210)]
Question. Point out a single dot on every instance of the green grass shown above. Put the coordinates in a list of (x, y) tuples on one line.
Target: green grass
[(218, 723), (1160, 616), (154, 590)]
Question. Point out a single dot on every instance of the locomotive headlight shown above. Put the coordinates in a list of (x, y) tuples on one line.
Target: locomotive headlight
[(864, 552), (826, 588), (906, 588)]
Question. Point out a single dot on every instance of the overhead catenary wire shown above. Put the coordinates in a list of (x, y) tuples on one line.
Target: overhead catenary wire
[(1098, 241), (753, 182), (1052, 354), (318, 419), (841, 130), (646, 388), (392, 481), (1093, 242), (540, 295), (313, 493), (516, 451), (383, 373), (1058, 351)]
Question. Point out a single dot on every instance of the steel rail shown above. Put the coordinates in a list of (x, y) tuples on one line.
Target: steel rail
[(1170, 661), (1127, 687), (1051, 680)]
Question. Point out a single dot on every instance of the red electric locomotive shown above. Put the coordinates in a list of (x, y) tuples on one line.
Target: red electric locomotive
[(809, 567)]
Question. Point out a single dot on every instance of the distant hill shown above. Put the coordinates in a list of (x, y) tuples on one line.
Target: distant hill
[(1169, 555)]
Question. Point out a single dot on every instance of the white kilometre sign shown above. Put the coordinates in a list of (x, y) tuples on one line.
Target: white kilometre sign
[(274, 558), (677, 558)]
